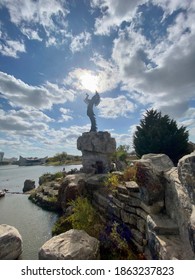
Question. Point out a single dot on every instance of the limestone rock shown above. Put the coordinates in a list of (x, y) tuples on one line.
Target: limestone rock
[(150, 183), (10, 243), (191, 229), (28, 185), (71, 245), (132, 187), (160, 162), (178, 207), (186, 172), (99, 142), (46, 196), (166, 247), (96, 148), (96, 181), (71, 187), (162, 224), (177, 202)]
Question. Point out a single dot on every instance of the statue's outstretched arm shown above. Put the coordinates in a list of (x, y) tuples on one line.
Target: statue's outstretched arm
[(86, 100)]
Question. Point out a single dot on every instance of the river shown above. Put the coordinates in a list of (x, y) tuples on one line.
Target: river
[(33, 223)]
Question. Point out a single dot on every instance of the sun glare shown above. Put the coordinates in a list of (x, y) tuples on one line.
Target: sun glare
[(89, 82)]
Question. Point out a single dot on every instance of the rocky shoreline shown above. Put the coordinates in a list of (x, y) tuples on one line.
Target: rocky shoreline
[(153, 215)]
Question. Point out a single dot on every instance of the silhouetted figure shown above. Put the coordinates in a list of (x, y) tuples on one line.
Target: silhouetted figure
[(95, 100)]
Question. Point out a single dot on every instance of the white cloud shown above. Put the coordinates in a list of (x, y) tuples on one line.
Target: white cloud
[(65, 138), (80, 41), (114, 12), (169, 6), (188, 120), (65, 115), (21, 94), (31, 34), (49, 16), (161, 75), (40, 11), (12, 48), (115, 107), (107, 73), (128, 53), (105, 78), (21, 122)]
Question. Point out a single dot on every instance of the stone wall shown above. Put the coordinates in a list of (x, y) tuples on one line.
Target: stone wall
[(157, 213)]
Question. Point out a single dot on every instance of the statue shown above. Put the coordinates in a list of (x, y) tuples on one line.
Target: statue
[(95, 100)]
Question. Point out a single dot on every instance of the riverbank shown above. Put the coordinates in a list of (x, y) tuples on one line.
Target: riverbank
[(66, 162), (33, 223)]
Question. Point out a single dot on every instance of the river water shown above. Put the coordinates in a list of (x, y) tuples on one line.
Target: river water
[(33, 223)]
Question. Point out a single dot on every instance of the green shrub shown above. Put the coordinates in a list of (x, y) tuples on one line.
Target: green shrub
[(52, 199), (58, 175), (85, 217), (121, 249), (160, 134), (130, 173), (114, 246), (112, 182), (61, 225)]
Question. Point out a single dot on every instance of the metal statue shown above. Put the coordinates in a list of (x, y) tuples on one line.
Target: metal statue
[(95, 100)]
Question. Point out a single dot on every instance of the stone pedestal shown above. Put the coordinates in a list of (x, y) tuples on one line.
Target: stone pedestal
[(96, 148)]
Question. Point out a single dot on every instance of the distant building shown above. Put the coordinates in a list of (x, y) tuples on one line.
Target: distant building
[(31, 161), (10, 160), (1, 156)]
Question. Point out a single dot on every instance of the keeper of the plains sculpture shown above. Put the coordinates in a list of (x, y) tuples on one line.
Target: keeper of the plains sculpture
[(95, 100), (97, 147)]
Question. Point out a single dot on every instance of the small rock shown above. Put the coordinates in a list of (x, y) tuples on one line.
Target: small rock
[(28, 185)]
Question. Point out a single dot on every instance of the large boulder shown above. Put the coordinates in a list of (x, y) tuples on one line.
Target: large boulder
[(150, 183), (150, 170), (186, 172), (161, 162), (28, 185), (71, 187), (71, 245), (179, 209), (10, 243)]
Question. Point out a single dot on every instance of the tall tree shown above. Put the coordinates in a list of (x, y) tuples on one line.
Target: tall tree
[(160, 134)]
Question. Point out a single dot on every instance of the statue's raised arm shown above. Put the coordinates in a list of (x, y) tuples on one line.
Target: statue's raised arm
[(95, 100)]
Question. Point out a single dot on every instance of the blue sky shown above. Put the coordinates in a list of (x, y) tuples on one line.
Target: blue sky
[(137, 54)]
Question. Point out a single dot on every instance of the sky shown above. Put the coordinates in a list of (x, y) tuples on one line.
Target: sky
[(137, 54)]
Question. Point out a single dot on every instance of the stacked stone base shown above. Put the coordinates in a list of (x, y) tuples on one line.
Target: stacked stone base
[(97, 149)]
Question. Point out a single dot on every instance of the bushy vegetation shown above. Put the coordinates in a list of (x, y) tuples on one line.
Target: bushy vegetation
[(160, 134), (130, 173), (112, 181), (63, 158), (84, 217), (121, 153), (114, 245), (61, 225), (48, 177)]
